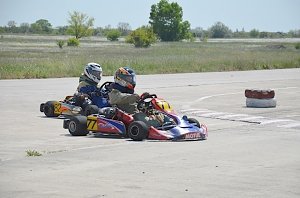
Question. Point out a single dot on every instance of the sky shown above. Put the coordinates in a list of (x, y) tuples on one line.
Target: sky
[(264, 15)]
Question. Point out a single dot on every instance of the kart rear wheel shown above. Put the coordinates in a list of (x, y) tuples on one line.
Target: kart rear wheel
[(90, 109), (49, 109), (138, 131), (194, 121), (77, 126)]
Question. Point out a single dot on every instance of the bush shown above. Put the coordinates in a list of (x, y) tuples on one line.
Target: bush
[(297, 46), (73, 42), (113, 35), (60, 43), (142, 37)]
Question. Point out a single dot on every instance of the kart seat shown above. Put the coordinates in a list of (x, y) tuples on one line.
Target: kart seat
[(107, 112)]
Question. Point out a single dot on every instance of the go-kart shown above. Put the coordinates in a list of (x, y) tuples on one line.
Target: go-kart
[(78, 104), (111, 120)]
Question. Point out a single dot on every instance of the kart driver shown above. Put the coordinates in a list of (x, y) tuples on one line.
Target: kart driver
[(122, 94), (88, 82)]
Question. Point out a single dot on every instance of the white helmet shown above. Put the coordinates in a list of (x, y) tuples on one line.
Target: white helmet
[(93, 71)]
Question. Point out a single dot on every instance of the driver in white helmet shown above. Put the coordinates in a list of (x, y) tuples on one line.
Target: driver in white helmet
[(88, 82)]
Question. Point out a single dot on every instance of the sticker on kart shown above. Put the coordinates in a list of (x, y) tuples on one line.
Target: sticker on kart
[(57, 108), (192, 136)]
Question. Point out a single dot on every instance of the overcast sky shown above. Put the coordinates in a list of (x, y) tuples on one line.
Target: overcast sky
[(264, 15)]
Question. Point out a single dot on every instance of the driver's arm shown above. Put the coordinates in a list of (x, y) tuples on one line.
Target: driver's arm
[(117, 97)]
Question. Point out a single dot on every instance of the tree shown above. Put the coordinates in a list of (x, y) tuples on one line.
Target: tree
[(41, 26), (61, 30), (35, 28), (263, 35), (12, 26), (142, 37), (166, 20), (254, 33), (24, 27), (219, 30), (45, 25), (294, 33), (80, 25), (124, 28), (240, 34), (198, 32)]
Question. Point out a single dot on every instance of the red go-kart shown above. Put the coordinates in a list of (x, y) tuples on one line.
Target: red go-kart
[(111, 120)]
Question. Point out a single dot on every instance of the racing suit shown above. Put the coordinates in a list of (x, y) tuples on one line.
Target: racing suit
[(123, 98), (88, 87)]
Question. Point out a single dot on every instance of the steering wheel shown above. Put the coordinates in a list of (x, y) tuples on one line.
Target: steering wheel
[(104, 89), (141, 103)]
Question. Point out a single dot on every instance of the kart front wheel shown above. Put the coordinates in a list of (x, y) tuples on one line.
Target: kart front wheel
[(138, 131), (77, 126), (48, 109)]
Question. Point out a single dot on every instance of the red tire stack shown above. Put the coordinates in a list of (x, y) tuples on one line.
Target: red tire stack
[(260, 98)]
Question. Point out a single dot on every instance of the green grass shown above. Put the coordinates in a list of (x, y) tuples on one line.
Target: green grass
[(33, 153), (40, 57)]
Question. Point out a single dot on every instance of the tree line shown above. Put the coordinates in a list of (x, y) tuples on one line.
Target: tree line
[(165, 24), (217, 30), (43, 26)]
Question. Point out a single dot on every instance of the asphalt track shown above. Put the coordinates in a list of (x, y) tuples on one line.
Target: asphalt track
[(250, 152)]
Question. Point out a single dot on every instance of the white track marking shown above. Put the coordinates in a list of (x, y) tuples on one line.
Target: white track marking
[(284, 123), (275, 121), (230, 116), (213, 114), (216, 95), (292, 125)]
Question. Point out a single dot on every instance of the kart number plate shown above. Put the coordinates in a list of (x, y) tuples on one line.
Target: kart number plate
[(192, 136)]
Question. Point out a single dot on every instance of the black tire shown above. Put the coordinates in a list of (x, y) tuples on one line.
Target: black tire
[(90, 109), (49, 109), (77, 126), (42, 107), (194, 121), (138, 131)]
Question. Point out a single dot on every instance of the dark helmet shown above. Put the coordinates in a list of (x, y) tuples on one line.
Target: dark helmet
[(125, 77)]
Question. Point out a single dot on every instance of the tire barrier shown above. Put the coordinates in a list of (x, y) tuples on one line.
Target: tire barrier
[(260, 98), (259, 94), (261, 103)]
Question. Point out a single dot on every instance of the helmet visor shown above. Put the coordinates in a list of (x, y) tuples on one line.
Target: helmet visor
[(97, 74), (129, 78)]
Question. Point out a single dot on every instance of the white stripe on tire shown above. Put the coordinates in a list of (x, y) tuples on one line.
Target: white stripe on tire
[(260, 103)]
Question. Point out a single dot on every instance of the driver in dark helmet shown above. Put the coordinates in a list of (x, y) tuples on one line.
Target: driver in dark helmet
[(122, 94)]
